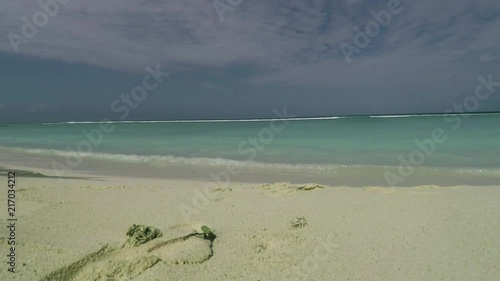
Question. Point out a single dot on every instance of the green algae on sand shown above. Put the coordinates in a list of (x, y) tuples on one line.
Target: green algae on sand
[(140, 234)]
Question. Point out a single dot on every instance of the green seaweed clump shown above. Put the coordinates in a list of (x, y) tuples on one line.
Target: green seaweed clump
[(207, 233), (140, 234), (299, 222)]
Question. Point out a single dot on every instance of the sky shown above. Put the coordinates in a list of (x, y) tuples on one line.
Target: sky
[(73, 60)]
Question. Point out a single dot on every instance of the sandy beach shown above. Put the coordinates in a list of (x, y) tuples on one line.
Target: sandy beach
[(75, 229), (232, 140)]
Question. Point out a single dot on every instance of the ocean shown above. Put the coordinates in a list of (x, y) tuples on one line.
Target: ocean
[(412, 149)]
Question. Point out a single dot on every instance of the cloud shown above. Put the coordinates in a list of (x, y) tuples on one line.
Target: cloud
[(488, 57), (285, 41), (40, 107)]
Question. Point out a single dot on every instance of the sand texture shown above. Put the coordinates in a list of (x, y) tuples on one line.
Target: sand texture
[(75, 229)]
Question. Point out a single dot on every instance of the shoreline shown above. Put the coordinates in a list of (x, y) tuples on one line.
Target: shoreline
[(353, 176)]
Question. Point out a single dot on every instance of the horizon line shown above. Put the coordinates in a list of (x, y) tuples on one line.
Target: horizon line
[(270, 119)]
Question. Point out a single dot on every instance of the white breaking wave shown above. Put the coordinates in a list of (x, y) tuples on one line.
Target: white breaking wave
[(222, 162), (201, 121), (392, 116), (431, 115), (170, 159), (265, 119)]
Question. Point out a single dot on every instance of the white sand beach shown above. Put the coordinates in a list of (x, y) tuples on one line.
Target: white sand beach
[(263, 231), (232, 140)]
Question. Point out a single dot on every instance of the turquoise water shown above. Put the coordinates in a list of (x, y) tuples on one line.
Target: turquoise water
[(316, 144)]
